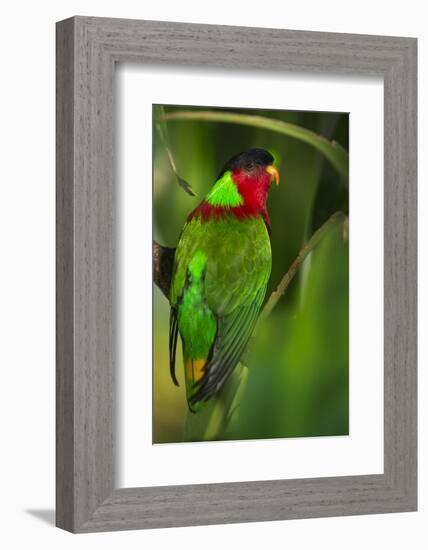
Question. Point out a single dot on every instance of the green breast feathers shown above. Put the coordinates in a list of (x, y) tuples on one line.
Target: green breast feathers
[(220, 274)]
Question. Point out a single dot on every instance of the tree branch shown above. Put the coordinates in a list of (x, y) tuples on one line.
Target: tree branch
[(163, 259)]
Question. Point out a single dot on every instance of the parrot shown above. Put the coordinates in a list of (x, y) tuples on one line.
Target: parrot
[(221, 268)]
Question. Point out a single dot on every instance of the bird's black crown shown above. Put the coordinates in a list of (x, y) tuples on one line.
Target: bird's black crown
[(248, 160)]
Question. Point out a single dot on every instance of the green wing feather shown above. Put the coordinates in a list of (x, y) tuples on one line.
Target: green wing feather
[(234, 331), (173, 334)]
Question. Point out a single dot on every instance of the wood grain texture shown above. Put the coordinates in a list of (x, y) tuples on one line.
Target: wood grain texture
[(87, 50), (64, 277)]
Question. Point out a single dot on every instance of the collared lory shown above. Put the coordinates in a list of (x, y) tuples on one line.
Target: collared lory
[(222, 265)]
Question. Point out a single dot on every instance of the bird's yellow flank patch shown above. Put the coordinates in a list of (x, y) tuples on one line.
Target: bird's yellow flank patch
[(194, 370)]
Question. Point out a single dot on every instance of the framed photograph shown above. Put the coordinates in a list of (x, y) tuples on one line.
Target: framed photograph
[(236, 274), (256, 236)]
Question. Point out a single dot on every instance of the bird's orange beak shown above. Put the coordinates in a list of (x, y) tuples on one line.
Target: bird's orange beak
[(273, 173)]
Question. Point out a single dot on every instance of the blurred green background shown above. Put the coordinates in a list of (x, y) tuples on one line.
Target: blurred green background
[(297, 383)]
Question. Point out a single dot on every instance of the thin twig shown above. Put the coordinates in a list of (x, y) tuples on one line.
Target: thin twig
[(164, 136), (307, 249), (334, 152)]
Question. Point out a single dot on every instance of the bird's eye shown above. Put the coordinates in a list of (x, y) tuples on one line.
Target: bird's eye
[(249, 166)]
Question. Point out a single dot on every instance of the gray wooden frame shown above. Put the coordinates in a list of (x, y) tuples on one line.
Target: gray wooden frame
[(87, 50)]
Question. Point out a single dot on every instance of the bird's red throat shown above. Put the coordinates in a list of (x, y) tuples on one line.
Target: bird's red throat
[(253, 189)]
